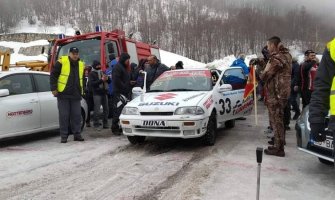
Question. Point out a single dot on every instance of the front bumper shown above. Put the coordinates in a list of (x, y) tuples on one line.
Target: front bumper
[(319, 155), (304, 141), (174, 127)]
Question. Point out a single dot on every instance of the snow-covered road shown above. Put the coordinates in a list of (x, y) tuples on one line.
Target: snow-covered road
[(108, 167)]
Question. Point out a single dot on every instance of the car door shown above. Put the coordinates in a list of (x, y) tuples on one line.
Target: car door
[(231, 102), (48, 103), (20, 111)]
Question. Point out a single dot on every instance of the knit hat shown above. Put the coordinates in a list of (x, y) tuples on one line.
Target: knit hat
[(308, 52), (95, 64)]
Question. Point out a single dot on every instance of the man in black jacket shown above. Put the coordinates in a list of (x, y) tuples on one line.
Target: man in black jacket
[(307, 73), (121, 89), (155, 70), (99, 83), (294, 91), (66, 83), (320, 100)]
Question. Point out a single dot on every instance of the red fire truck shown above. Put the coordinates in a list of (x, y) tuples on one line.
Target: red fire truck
[(101, 46)]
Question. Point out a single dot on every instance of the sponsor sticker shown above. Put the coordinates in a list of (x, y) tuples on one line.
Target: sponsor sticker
[(243, 107), (19, 113), (192, 97), (166, 96), (159, 104), (154, 123), (182, 73), (208, 102)]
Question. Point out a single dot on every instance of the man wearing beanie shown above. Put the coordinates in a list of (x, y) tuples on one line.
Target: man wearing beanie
[(66, 83), (99, 83), (121, 90), (180, 65)]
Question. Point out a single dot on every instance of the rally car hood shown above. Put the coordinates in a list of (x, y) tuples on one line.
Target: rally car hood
[(166, 101)]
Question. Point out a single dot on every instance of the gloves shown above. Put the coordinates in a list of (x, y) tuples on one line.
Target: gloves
[(254, 61), (318, 132)]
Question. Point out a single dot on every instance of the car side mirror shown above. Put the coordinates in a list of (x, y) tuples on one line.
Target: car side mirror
[(137, 91), (4, 92), (225, 88)]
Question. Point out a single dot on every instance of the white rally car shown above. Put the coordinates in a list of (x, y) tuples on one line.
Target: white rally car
[(187, 104), (27, 104)]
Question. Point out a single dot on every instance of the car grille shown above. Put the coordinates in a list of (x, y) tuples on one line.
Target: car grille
[(157, 113), (158, 127)]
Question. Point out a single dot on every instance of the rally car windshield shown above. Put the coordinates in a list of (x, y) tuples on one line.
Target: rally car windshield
[(89, 50), (183, 80)]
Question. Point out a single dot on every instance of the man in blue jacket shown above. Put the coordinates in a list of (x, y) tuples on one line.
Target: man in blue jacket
[(109, 71), (239, 62)]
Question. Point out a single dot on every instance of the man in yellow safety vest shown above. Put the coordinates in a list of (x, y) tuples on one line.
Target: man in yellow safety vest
[(323, 96), (66, 82)]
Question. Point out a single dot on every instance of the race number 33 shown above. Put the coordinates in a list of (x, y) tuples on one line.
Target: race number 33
[(226, 106)]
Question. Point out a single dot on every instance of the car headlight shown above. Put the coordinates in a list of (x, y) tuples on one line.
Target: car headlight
[(189, 110), (130, 111)]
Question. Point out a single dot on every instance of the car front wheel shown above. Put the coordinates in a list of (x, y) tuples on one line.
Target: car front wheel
[(326, 162), (210, 136)]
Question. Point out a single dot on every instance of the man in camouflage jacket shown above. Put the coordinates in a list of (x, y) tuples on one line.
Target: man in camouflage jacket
[(277, 76)]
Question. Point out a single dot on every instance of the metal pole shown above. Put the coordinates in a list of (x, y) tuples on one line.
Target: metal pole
[(255, 93), (259, 157), (258, 180)]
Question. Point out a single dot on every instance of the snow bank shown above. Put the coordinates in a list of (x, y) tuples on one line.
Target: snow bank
[(170, 59), (227, 61)]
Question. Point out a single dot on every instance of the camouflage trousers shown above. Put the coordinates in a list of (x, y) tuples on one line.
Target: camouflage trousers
[(276, 115)]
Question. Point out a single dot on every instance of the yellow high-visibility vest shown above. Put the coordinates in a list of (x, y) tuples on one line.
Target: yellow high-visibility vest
[(331, 48), (65, 72)]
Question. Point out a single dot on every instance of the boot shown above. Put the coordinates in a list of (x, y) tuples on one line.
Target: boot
[(271, 147), (274, 151), (117, 132), (78, 137), (63, 140), (272, 141), (105, 126), (88, 124)]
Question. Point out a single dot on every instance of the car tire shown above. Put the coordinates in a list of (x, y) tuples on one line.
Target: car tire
[(326, 162), (230, 123), (136, 139), (210, 135)]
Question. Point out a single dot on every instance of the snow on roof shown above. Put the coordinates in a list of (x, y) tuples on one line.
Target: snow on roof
[(24, 27), (16, 57)]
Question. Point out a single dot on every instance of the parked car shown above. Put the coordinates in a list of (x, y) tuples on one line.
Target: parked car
[(323, 150), (27, 104), (187, 103)]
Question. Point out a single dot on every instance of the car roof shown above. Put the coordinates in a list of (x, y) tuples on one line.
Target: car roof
[(5, 73)]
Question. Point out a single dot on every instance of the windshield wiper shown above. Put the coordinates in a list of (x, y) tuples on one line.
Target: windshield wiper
[(156, 91), (181, 90)]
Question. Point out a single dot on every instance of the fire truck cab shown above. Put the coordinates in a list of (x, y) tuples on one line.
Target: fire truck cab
[(101, 46)]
